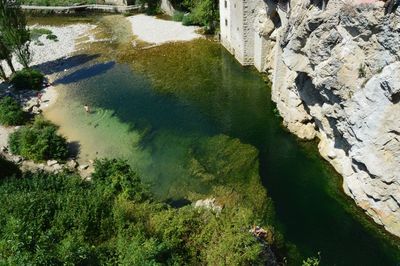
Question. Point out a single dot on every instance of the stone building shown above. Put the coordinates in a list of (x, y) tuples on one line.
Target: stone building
[(245, 31), (237, 31)]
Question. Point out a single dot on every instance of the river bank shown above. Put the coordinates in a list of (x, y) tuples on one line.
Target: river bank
[(48, 56), (157, 31)]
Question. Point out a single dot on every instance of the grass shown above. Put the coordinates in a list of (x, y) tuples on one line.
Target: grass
[(36, 33)]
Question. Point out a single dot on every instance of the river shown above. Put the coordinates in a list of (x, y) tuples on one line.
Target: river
[(153, 106)]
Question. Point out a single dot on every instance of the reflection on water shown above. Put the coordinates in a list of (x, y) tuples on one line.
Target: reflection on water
[(187, 116)]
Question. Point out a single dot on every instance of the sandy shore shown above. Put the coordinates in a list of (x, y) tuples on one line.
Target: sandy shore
[(158, 31), (45, 58)]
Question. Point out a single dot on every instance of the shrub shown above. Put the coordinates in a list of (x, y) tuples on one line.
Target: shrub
[(204, 13), (39, 142), (27, 79), (11, 113), (188, 20), (37, 32), (60, 219), (313, 261), (52, 37), (120, 179), (178, 16), (153, 6)]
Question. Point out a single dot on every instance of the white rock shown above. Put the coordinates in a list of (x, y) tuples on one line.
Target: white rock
[(83, 167), (72, 164), (51, 162)]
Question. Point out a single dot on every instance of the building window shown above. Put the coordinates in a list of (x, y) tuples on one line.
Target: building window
[(237, 28), (234, 5), (226, 4), (226, 22)]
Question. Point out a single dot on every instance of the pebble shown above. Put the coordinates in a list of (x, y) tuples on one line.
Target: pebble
[(83, 167)]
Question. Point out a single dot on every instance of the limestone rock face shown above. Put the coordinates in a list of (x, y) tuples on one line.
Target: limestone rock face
[(336, 75)]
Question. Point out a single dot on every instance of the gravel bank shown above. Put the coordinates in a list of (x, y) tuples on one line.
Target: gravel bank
[(158, 31), (45, 55)]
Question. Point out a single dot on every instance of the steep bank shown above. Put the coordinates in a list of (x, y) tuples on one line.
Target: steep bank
[(335, 76)]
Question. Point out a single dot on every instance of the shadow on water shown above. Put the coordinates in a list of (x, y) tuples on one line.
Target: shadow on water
[(65, 63), (134, 103), (85, 73)]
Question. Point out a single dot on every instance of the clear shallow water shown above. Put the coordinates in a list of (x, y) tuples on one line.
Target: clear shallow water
[(155, 110)]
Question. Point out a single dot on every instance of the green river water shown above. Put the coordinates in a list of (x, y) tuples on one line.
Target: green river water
[(175, 109)]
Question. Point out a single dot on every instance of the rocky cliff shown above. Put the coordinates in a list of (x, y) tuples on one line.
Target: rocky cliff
[(336, 76)]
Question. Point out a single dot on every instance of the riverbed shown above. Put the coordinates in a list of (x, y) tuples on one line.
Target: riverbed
[(174, 109)]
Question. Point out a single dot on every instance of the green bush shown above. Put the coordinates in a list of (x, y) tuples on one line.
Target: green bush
[(60, 219), (37, 32), (178, 16), (188, 20), (39, 142), (153, 6), (52, 37), (120, 178), (202, 12), (27, 79), (11, 113)]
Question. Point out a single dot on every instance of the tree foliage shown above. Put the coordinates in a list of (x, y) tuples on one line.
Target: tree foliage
[(199, 12), (52, 219), (14, 31)]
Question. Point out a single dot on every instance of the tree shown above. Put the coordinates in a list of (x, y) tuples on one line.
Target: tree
[(6, 54), (2, 73), (14, 31)]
